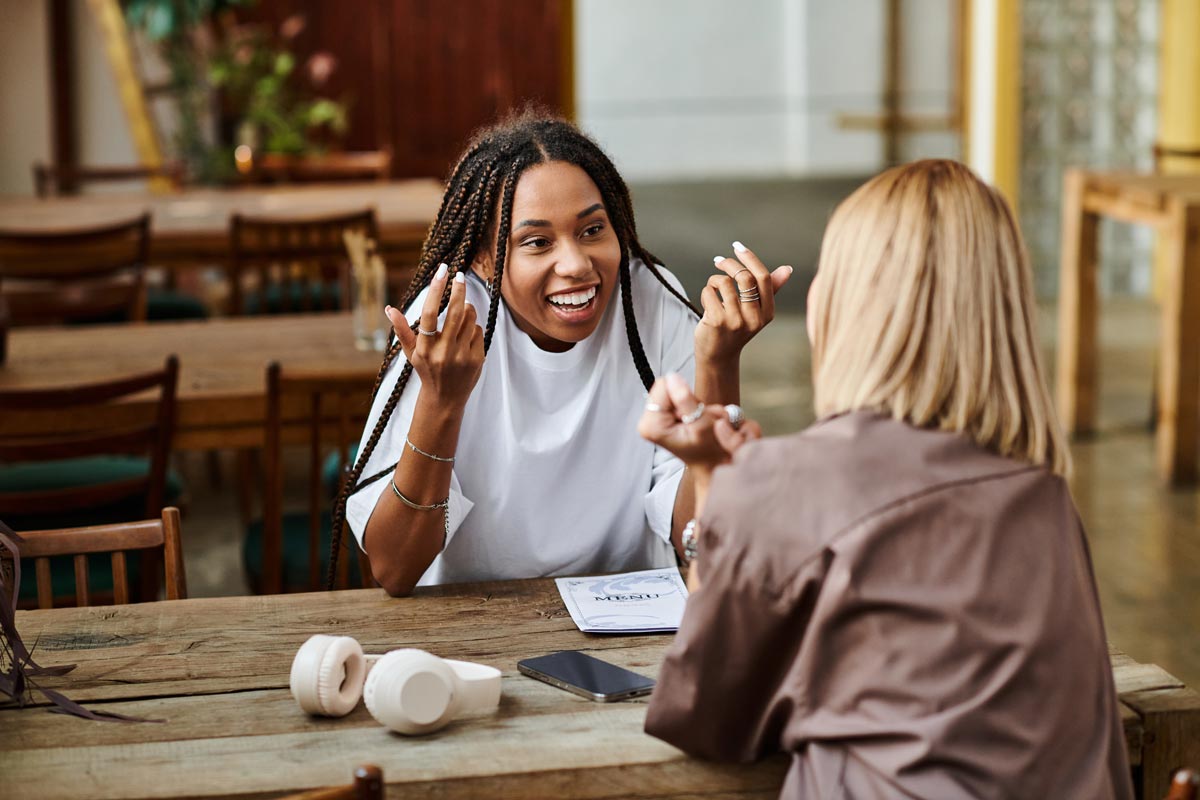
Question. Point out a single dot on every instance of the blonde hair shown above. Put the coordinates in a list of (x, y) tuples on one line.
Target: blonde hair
[(924, 310)]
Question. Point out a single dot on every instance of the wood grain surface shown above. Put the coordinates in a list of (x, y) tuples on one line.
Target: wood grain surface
[(216, 671), (192, 226), (222, 368)]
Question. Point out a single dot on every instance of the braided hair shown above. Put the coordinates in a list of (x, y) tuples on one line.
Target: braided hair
[(477, 202)]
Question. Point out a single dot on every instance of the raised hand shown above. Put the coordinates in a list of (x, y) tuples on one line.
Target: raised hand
[(703, 437), (449, 360), (738, 302)]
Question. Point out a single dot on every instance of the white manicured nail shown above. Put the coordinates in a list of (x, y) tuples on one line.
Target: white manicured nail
[(739, 247), (441, 273), (718, 259), (460, 278)]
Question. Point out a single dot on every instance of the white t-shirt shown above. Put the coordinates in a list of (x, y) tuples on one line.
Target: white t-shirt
[(551, 477)]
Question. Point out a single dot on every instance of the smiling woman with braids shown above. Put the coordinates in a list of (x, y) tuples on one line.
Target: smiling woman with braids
[(528, 463)]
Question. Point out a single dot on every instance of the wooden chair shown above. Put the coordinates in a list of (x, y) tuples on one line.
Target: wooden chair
[(1185, 785), (289, 265), (87, 274), (162, 535), (288, 552), (50, 180), (107, 464), (366, 165), (368, 785)]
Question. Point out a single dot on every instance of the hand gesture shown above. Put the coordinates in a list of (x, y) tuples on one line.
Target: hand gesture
[(449, 360), (703, 437), (738, 303)]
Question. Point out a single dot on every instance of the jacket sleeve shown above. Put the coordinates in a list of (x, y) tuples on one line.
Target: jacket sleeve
[(722, 692)]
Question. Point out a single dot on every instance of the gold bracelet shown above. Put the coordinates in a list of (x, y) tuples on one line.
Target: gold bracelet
[(419, 451)]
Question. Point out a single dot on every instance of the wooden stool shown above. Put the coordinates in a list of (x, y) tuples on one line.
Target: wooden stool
[(1171, 205)]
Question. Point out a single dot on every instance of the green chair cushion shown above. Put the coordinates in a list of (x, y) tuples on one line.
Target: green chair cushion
[(329, 471), (165, 304), (319, 296), (68, 473), (295, 552), (62, 575)]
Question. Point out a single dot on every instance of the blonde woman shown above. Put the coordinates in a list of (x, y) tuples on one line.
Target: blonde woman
[(900, 596)]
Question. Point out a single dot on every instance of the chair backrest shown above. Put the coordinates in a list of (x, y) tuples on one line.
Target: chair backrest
[(324, 411), (50, 180), (368, 785), (1185, 785), (363, 165), (92, 419), (153, 534), (51, 277), (301, 262)]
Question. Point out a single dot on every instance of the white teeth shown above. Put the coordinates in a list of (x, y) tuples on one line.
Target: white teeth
[(573, 298)]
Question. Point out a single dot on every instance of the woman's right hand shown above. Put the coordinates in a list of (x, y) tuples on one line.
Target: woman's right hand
[(702, 444), (449, 361)]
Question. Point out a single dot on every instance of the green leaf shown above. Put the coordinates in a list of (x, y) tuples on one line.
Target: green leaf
[(285, 62)]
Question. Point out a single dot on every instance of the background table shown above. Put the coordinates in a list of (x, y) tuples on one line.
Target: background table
[(1171, 205), (192, 226), (222, 368), (217, 671)]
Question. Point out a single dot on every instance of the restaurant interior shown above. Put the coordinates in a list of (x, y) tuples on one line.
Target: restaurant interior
[(205, 206)]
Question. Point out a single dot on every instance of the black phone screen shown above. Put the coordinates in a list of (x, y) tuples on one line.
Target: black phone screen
[(579, 670)]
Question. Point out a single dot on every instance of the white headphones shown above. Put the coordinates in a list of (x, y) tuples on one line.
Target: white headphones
[(409, 691)]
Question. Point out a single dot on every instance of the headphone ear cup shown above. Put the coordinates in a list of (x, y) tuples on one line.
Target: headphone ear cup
[(411, 692), (327, 675)]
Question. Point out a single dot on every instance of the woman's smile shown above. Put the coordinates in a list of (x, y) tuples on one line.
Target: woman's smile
[(575, 306)]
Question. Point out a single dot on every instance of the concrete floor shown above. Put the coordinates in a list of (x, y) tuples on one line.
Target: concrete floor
[(1145, 538)]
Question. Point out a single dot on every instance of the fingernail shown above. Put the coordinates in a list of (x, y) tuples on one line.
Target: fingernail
[(790, 270), (441, 273), (718, 259), (459, 277), (739, 247)]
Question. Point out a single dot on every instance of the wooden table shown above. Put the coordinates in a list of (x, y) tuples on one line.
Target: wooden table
[(192, 226), (222, 367), (217, 671), (1171, 205)]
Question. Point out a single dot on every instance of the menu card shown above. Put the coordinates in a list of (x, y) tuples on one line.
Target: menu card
[(650, 601)]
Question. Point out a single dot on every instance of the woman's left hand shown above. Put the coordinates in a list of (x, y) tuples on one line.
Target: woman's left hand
[(738, 303), (707, 440)]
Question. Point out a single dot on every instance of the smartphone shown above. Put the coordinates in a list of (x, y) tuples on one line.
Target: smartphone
[(586, 676)]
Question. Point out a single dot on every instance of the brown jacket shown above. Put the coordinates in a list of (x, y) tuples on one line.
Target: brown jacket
[(907, 614)]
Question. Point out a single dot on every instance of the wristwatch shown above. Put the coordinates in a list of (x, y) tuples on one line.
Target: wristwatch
[(690, 540)]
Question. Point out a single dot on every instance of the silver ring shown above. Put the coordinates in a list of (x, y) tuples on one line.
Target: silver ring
[(749, 298), (735, 414), (740, 271), (653, 407), (424, 332), (696, 413)]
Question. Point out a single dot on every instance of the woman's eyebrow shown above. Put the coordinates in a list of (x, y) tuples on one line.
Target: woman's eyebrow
[(545, 223)]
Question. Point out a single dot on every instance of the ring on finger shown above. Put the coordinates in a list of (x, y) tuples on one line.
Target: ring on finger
[(693, 415), (735, 414), (424, 332), (740, 271)]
